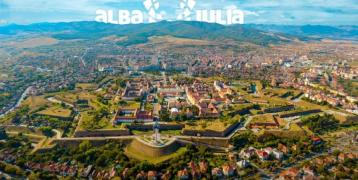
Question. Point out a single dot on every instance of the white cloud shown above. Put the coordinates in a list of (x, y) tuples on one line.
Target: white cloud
[(3, 21), (230, 7), (256, 11), (251, 13)]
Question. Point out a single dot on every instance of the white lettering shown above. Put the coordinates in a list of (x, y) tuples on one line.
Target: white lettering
[(111, 17), (101, 16), (124, 17), (230, 16), (237, 16), (137, 17)]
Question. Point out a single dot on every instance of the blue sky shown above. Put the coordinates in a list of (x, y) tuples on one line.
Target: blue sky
[(292, 12)]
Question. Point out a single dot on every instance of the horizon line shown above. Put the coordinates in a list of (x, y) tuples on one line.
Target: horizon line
[(273, 24)]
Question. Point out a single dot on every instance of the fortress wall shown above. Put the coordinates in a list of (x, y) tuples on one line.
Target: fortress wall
[(154, 151), (302, 113), (207, 141), (102, 133), (162, 127), (279, 109), (94, 142)]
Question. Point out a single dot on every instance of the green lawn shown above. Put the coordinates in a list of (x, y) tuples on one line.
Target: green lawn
[(35, 102), (131, 105), (86, 86), (56, 111), (154, 160), (208, 124)]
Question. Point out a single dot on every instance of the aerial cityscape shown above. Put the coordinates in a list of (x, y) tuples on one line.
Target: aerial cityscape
[(166, 98)]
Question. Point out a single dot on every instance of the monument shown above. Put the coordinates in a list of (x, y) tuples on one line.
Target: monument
[(156, 135)]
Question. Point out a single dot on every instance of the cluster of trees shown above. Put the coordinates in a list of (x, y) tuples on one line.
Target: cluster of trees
[(3, 134), (102, 100), (98, 120), (47, 121), (11, 169), (343, 169), (287, 94), (323, 103), (302, 143), (19, 146), (243, 140), (20, 115), (5, 98), (196, 154), (349, 86), (111, 155), (245, 111), (105, 156), (182, 116), (321, 124), (47, 131)]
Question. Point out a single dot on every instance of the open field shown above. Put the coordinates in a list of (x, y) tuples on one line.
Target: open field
[(4, 76), (268, 119), (272, 101), (295, 128), (72, 97), (86, 86), (56, 111), (293, 132), (33, 42), (265, 118), (280, 92), (178, 41), (114, 38), (87, 122), (131, 105), (164, 42), (35, 102), (32, 137), (214, 125)]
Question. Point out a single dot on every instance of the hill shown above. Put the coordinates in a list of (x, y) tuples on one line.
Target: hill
[(140, 33), (320, 31)]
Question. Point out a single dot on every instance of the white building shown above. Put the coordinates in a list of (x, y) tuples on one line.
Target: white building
[(243, 164), (277, 154)]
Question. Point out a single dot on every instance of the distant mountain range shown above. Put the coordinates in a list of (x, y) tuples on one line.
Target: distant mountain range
[(139, 33), (330, 32)]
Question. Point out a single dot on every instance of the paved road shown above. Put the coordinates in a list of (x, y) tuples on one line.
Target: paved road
[(22, 97), (82, 60), (58, 133)]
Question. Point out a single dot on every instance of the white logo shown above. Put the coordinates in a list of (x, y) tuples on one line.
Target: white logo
[(187, 12), (152, 7), (186, 7)]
